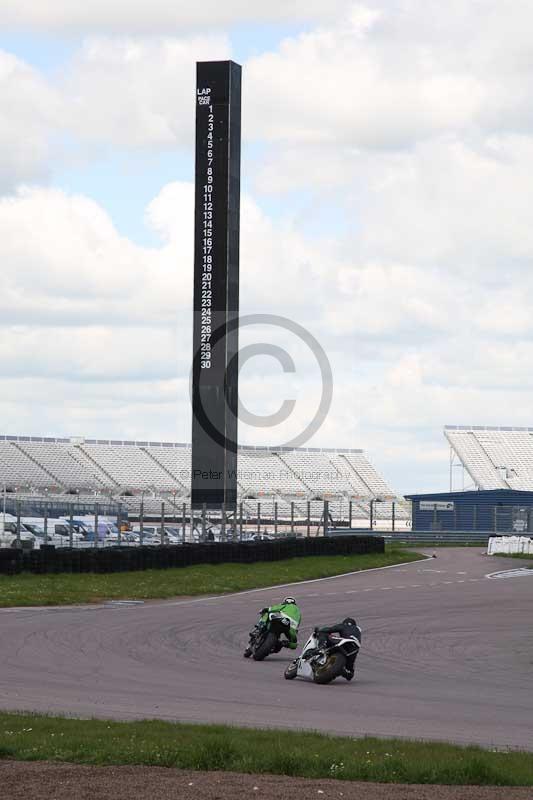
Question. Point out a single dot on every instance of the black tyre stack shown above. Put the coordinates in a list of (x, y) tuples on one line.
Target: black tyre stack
[(124, 559)]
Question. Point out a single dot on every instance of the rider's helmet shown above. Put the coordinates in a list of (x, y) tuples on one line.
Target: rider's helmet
[(349, 621), (289, 600)]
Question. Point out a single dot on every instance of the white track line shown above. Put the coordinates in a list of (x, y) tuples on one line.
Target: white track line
[(218, 597), (519, 572), (299, 583)]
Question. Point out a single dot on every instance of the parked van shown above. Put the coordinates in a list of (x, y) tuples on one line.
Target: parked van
[(8, 533), (106, 527), (57, 538), (60, 528)]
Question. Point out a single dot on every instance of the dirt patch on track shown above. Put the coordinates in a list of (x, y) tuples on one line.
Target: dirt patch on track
[(45, 781)]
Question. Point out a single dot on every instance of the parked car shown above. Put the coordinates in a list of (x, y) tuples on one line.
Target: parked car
[(152, 534)]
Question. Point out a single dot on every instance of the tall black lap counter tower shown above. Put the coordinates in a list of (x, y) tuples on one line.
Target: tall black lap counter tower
[(216, 284)]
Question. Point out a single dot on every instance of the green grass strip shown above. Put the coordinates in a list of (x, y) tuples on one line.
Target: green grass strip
[(65, 588), (519, 556), (29, 737)]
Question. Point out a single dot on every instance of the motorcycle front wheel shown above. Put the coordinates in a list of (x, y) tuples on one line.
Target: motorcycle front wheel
[(291, 672), (266, 646), (330, 669)]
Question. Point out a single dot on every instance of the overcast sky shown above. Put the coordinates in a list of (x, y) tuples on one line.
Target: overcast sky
[(387, 207)]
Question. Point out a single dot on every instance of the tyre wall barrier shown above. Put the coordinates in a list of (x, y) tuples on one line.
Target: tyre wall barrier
[(10, 561), (500, 545), (115, 559)]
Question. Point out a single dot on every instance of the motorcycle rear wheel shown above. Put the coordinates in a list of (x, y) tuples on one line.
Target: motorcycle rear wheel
[(265, 648), (331, 669)]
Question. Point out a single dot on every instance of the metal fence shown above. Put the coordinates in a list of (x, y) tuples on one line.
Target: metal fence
[(485, 516), (31, 521)]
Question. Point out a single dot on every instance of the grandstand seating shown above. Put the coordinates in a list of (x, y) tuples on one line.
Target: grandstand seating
[(495, 458), (160, 471), (18, 469), (318, 472), (262, 472), (63, 465)]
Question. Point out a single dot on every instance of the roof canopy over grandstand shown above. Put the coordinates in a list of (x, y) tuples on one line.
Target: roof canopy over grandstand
[(135, 469), (494, 457)]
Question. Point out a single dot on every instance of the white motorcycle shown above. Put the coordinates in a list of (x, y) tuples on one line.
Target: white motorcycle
[(324, 661)]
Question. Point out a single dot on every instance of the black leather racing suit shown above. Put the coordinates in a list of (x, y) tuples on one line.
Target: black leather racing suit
[(345, 631)]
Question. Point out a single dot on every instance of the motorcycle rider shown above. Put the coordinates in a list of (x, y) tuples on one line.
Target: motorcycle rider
[(290, 609), (348, 627)]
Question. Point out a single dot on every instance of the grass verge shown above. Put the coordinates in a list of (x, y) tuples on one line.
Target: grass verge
[(29, 737), (519, 556), (64, 589)]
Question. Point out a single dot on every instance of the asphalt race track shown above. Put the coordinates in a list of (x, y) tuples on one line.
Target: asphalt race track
[(447, 654)]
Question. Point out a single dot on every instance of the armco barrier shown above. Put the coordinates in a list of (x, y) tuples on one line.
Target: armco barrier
[(115, 559), (422, 537)]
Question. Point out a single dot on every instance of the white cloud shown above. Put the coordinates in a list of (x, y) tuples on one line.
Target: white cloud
[(103, 326), (402, 136), (81, 303), (63, 256), (394, 75), (385, 76), (157, 16), (124, 409), (465, 205), (30, 111), (138, 92)]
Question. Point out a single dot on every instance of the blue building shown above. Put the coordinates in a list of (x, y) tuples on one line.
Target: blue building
[(494, 510)]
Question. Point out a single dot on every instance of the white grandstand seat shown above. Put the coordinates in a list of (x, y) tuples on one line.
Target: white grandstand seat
[(263, 472), (317, 472), (495, 458), (154, 471), (174, 460), (57, 459), (511, 452), (18, 468), (368, 475), (131, 466), (347, 469)]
